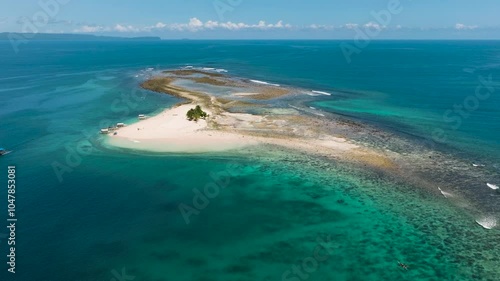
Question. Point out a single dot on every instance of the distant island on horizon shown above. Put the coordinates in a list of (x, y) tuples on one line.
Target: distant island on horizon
[(71, 37)]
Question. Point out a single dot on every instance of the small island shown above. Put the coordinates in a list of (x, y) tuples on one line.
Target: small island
[(243, 113)]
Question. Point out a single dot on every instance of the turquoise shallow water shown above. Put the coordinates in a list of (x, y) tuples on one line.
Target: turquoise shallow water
[(112, 210)]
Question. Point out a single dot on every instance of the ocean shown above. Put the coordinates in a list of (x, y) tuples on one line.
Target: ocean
[(88, 212)]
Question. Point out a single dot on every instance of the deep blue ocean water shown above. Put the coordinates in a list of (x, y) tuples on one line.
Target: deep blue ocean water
[(110, 210)]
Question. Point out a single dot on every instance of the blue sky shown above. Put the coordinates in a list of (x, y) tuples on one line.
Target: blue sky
[(249, 19)]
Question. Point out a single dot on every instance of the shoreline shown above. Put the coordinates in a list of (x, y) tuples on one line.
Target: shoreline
[(170, 131)]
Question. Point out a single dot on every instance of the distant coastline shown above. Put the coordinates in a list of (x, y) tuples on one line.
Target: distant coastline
[(71, 37)]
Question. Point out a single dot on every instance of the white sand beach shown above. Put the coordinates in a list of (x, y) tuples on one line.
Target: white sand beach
[(170, 131)]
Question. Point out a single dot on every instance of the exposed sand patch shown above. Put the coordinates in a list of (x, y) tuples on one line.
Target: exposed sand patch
[(244, 94), (170, 131)]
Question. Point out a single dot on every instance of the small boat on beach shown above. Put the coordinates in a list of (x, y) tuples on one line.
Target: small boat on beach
[(142, 117), (104, 131), (120, 125)]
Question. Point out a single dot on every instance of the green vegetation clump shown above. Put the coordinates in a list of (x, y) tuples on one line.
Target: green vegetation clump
[(194, 114)]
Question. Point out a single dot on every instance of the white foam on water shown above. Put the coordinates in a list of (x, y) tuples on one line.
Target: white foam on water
[(206, 68), (322, 93), (24, 88), (264, 83), (487, 223), (492, 186), (312, 94)]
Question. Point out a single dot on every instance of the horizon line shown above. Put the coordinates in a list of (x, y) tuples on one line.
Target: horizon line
[(159, 38)]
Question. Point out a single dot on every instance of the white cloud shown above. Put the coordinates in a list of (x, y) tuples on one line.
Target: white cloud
[(160, 25), (197, 25), (193, 25), (98, 28), (211, 24), (120, 28), (350, 25), (89, 29), (461, 26), (125, 28), (373, 25), (320, 27), (230, 25)]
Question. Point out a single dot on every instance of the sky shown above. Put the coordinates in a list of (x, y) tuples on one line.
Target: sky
[(257, 19)]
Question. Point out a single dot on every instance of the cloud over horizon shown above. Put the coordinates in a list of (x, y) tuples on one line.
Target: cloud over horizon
[(228, 19), (461, 26), (196, 25), (193, 25)]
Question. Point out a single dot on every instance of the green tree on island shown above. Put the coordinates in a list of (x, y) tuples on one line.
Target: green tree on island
[(194, 114)]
